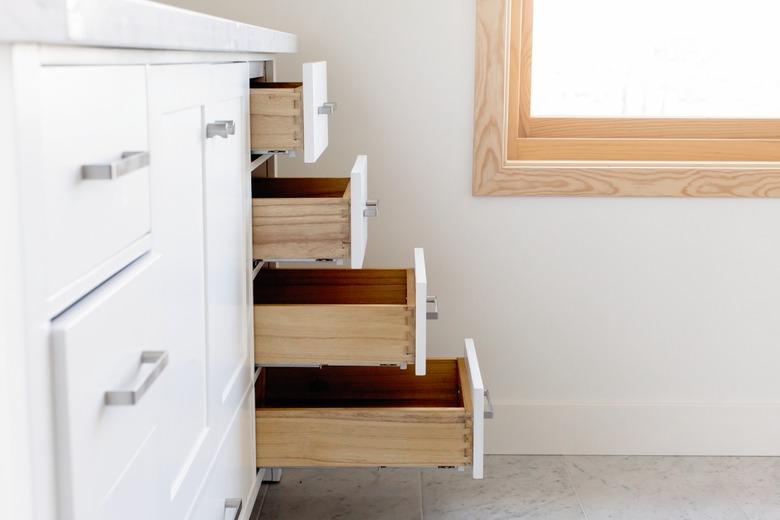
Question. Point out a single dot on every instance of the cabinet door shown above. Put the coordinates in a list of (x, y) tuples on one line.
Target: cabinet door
[(178, 95), (230, 482), (228, 264)]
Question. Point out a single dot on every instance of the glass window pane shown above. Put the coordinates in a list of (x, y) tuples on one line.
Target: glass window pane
[(656, 58)]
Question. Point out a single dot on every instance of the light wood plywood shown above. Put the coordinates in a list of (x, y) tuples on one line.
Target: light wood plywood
[(348, 416), (334, 317)]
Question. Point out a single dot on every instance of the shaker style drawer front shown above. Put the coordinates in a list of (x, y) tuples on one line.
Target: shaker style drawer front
[(371, 416), (312, 218), (292, 116), (339, 317), (95, 174), (110, 371)]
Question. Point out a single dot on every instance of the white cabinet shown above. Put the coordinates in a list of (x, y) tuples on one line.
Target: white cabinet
[(128, 233), (151, 460)]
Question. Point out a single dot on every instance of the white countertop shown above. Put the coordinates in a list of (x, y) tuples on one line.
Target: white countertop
[(140, 24)]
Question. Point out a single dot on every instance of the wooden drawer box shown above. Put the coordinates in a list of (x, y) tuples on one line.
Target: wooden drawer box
[(276, 116), (372, 416), (341, 316), (291, 116), (312, 218)]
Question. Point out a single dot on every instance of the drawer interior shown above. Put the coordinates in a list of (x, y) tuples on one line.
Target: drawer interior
[(290, 188), (335, 286), (260, 84), (356, 387)]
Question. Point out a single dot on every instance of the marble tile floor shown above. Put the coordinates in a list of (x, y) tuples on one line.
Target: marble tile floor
[(538, 487)]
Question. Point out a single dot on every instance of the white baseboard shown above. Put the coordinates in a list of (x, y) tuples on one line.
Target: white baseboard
[(744, 429)]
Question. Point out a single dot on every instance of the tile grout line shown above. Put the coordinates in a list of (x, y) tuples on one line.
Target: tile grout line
[(422, 514), (573, 486)]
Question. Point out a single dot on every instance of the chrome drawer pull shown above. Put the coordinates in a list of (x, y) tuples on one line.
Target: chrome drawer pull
[(434, 314), (220, 129), (372, 208), (158, 360), (488, 405), (327, 108), (233, 508), (129, 162)]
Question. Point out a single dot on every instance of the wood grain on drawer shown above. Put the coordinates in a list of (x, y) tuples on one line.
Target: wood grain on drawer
[(364, 416), (300, 218), (276, 116), (334, 317)]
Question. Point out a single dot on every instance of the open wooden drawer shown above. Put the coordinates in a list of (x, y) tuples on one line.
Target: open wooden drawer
[(372, 416), (293, 115), (312, 218), (354, 317)]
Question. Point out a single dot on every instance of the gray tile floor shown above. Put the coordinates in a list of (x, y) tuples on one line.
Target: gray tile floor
[(539, 487)]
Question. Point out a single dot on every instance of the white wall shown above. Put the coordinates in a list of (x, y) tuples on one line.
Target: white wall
[(603, 325)]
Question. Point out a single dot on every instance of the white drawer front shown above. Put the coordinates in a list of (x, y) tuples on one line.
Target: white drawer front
[(478, 395), (421, 315), (358, 186), (91, 116), (315, 121), (109, 453)]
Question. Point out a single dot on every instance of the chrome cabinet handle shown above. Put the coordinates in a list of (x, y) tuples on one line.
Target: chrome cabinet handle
[(488, 405), (158, 360), (129, 162), (326, 108), (221, 128), (372, 208), (434, 314), (233, 508)]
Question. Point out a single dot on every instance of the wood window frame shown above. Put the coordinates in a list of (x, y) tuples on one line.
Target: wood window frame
[(516, 154)]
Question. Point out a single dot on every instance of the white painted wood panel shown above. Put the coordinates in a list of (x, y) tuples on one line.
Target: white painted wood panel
[(358, 186), (315, 95), (420, 312), (108, 455), (178, 95), (91, 115), (227, 186), (232, 475), (478, 409)]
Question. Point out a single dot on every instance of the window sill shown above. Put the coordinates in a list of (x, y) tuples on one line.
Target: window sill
[(625, 179)]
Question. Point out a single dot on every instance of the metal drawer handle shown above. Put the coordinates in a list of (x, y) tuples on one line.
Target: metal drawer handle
[(327, 108), (221, 128), (372, 208), (434, 314), (233, 508), (158, 360), (129, 162), (488, 405)]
